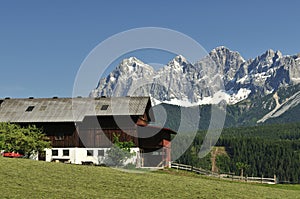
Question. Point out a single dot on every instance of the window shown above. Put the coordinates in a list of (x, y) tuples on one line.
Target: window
[(104, 107), (29, 108), (59, 137), (54, 152), (89, 152), (100, 152), (65, 152), (101, 107)]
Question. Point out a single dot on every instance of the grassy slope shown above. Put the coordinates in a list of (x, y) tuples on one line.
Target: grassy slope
[(22, 178)]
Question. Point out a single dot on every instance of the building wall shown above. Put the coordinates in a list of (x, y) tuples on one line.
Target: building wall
[(87, 134), (61, 134), (153, 144), (104, 137), (80, 155)]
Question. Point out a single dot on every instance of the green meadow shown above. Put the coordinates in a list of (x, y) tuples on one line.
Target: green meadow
[(23, 178)]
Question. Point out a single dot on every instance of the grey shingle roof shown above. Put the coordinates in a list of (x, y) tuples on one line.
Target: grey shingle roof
[(69, 109)]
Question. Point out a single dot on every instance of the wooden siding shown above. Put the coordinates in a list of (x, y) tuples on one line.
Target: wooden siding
[(61, 134), (97, 132), (152, 137), (104, 137)]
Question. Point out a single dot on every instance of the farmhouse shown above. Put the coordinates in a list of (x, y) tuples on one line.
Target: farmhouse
[(81, 129)]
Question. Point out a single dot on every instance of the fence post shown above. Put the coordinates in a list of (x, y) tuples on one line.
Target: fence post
[(262, 175), (275, 180)]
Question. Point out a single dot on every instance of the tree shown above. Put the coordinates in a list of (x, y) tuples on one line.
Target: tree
[(223, 162), (119, 152), (25, 140), (241, 166)]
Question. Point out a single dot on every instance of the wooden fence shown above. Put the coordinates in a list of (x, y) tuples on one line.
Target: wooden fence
[(229, 176)]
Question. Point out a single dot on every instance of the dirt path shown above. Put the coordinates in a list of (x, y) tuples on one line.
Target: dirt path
[(216, 151), (214, 167)]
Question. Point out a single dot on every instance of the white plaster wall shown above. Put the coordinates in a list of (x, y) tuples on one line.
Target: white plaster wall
[(79, 155)]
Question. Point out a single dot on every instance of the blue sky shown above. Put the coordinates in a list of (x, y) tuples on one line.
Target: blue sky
[(43, 43)]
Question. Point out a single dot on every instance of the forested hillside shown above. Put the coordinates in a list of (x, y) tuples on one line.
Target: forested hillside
[(264, 150), (248, 112)]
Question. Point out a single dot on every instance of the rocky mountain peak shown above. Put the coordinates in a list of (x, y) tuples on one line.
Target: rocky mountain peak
[(131, 61), (180, 80), (228, 62), (180, 59), (278, 53), (221, 48), (133, 65), (271, 55), (224, 51), (177, 63)]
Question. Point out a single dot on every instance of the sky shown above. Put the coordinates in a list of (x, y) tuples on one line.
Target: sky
[(44, 43)]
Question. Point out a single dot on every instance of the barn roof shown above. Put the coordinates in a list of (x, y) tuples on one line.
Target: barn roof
[(69, 109)]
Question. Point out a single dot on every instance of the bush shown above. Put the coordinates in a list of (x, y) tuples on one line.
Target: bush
[(24, 140), (118, 153)]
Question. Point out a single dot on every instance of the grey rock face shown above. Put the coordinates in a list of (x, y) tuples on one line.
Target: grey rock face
[(222, 70)]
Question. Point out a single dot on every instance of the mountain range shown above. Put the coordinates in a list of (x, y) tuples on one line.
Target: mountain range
[(268, 83)]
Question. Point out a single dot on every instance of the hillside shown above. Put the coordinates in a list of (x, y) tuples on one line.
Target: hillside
[(268, 150), (282, 107), (23, 178)]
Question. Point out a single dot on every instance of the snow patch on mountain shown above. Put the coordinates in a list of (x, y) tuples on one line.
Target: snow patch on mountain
[(242, 94)]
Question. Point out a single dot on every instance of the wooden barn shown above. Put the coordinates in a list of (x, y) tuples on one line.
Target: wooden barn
[(81, 129)]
